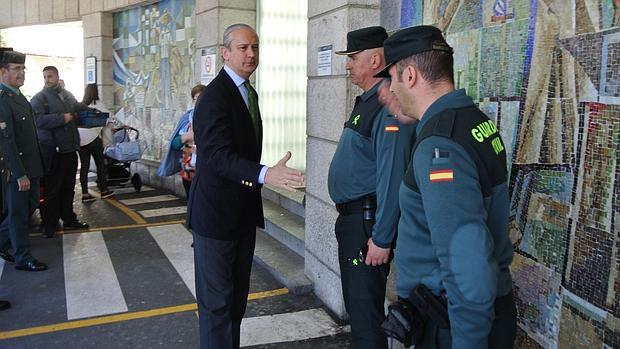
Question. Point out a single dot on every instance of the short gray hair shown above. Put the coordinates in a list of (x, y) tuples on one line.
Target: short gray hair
[(232, 28)]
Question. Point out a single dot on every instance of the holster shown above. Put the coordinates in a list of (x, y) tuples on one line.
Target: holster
[(407, 318)]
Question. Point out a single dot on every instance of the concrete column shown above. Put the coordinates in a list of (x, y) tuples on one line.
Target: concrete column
[(330, 100), (98, 43), (212, 18)]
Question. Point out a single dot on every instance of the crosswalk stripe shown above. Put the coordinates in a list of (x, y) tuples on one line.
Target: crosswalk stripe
[(163, 211), (126, 210), (288, 327), (149, 199), (126, 190), (91, 285), (130, 190), (175, 241), (109, 319)]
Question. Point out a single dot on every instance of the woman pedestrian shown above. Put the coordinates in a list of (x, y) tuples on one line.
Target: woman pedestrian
[(92, 145), (181, 155)]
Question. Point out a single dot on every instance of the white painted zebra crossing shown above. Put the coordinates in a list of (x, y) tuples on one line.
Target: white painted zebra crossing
[(124, 190), (288, 327), (158, 212), (175, 241), (149, 199), (92, 287)]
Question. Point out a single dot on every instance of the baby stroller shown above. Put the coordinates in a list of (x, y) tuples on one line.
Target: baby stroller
[(118, 156)]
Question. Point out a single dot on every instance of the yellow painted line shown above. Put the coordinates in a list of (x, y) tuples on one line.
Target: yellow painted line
[(116, 227), (103, 320), (267, 294), (126, 210)]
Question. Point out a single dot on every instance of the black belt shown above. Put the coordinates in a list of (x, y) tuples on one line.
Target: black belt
[(355, 206)]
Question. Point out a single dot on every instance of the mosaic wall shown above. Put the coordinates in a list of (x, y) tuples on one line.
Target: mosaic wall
[(548, 72), (154, 48)]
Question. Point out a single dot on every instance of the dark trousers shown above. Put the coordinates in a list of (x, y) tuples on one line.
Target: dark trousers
[(503, 331), (363, 286), (59, 191), (94, 148), (186, 185), (222, 285), (15, 227)]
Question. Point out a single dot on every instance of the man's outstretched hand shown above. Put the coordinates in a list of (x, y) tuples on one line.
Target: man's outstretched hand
[(284, 177)]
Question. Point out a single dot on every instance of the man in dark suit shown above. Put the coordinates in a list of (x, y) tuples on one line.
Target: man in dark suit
[(22, 160), (224, 206)]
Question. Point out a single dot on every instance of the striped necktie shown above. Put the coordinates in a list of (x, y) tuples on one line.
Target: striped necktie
[(252, 106)]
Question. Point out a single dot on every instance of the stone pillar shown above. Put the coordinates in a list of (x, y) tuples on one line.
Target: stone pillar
[(212, 18), (330, 101), (98, 43)]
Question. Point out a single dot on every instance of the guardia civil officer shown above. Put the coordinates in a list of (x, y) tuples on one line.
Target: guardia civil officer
[(453, 230), (363, 181), (22, 159)]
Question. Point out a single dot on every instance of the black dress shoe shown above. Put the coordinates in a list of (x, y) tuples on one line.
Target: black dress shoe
[(33, 265), (7, 256), (75, 225), (4, 305)]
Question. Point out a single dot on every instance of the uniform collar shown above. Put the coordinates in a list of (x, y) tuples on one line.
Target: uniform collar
[(12, 89), (371, 92), (454, 99)]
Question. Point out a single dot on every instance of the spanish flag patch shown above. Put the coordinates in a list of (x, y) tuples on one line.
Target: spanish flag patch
[(442, 176), (392, 128)]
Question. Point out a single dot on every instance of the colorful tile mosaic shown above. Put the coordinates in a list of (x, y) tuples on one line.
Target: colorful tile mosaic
[(154, 48)]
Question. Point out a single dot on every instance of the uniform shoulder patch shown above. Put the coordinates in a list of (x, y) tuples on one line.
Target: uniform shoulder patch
[(444, 175)]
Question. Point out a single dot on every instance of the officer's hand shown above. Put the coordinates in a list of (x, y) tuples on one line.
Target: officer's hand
[(284, 177), (23, 184), (376, 255), (68, 117)]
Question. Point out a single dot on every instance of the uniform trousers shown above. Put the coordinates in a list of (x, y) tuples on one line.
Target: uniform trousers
[(15, 227), (363, 286), (222, 270), (59, 191)]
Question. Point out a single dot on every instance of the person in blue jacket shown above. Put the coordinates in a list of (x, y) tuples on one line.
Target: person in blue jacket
[(453, 230), (363, 182), (181, 155)]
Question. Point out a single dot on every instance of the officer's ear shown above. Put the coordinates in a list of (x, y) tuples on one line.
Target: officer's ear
[(410, 75), (376, 60)]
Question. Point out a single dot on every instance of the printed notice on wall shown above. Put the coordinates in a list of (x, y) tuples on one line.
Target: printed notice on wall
[(324, 66), (91, 70), (207, 66)]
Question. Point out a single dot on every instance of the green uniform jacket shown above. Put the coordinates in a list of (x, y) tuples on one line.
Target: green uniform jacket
[(372, 163), (18, 136), (451, 237)]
